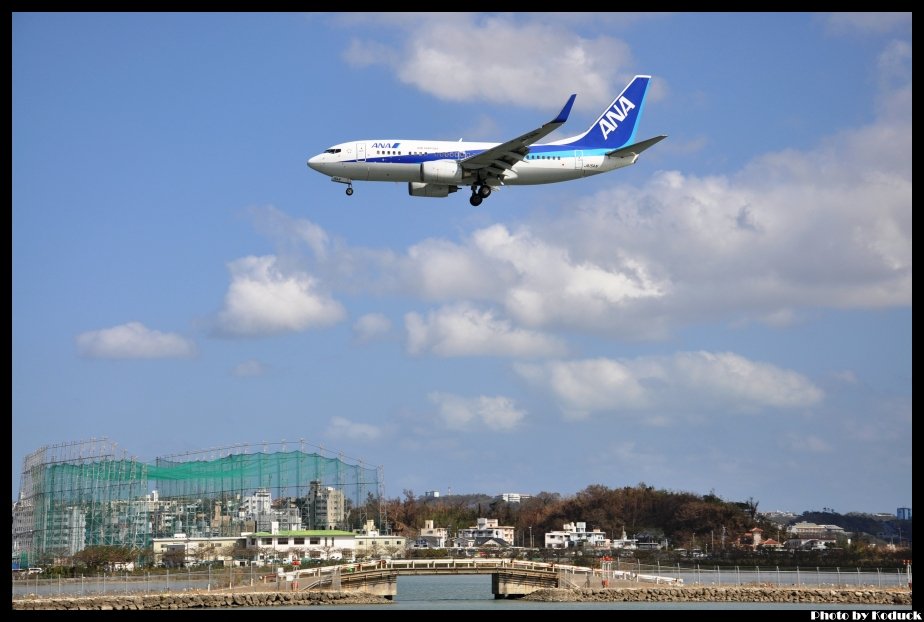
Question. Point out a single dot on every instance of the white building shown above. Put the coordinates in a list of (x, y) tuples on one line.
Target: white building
[(806, 530), (287, 546), (191, 550), (575, 535), (371, 543), (514, 497), (486, 529), (432, 537)]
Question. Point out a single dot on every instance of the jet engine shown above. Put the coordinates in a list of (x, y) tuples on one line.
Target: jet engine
[(440, 171)]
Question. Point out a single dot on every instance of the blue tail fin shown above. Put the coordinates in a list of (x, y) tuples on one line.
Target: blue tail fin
[(615, 128)]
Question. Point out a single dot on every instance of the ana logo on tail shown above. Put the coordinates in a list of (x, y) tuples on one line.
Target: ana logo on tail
[(615, 115)]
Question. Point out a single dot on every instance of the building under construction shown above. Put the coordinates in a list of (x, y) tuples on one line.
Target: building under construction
[(75, 495)]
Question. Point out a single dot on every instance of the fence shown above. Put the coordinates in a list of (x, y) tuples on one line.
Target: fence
[(237, 579), (231, 579)]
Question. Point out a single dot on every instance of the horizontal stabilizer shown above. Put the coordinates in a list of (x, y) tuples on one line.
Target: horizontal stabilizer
[(635, 149)]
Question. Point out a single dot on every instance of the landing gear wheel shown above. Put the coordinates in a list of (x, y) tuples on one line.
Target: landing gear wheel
[(349, 191), (475, 200), (485, 191)]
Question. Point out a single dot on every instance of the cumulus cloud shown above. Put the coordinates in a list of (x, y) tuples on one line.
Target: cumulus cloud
[(460, 413), (266, 298), (371, 326), (133, 341), (290, 232), (463, 330), (249, 369), (537, 281), (686, 382), (464, 57), (343, 428)]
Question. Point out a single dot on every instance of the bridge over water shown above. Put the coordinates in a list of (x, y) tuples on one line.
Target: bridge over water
[(509, 578)]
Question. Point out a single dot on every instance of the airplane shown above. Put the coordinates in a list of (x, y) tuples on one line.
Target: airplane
[(434, 168)]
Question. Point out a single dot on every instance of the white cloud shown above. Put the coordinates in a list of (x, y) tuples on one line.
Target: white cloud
[(249, 369), (538, 282), (133, 341), (288, 231), (462, 330), (371, 326), (686, 382), (463, 57), (266, 298), (494, 413), (342, 428)]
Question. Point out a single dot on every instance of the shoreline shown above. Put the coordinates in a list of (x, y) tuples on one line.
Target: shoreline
[(722, 594), (196, 600), (891, 597)]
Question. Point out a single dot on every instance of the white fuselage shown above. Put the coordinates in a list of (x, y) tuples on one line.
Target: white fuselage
[(400, 161)]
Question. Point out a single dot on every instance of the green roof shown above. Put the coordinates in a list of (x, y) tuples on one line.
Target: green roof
[(299, 533)]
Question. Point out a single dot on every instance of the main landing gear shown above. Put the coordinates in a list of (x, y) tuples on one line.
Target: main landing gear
[(479, 193)]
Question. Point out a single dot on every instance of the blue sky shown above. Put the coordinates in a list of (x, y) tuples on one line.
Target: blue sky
[(731, 315)]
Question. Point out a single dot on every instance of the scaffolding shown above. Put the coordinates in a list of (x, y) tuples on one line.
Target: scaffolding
[(79, 494)]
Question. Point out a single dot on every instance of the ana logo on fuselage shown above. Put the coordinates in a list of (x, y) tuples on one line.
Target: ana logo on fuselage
[(385, 145), (615, 115)]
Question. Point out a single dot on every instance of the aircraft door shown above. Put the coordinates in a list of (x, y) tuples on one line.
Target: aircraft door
[(579, 160), (361, 152)]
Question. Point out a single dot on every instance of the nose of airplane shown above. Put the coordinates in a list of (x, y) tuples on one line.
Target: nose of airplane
[(314, 162)]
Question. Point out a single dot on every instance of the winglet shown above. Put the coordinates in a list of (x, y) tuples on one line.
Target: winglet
[(563, 115)]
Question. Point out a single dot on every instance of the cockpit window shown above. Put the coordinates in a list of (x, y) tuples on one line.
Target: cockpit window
[(331, 151)]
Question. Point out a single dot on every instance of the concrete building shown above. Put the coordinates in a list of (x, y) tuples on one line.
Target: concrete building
[(68, 531), (575, 535), (326, 507), (287, 546), (903, 513), (624, 542), (805, 531), (514, 497), (431, 494), (371, 543), (431, 537), (183, 550), (486, 529)]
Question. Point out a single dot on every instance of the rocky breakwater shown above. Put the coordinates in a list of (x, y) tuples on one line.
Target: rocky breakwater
[(737, 594), (182, 600)]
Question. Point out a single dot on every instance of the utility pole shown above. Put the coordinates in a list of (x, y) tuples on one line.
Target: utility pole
[(530, 536)]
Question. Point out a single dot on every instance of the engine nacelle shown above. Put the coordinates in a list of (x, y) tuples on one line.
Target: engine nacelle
[(441, 171), (417, 189)]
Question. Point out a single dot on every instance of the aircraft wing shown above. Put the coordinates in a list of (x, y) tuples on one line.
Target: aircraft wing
[(635, 149), (496, 161)]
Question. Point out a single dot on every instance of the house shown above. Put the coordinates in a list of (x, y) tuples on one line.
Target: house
[(486, 530), (575, 535), (431, 537)]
